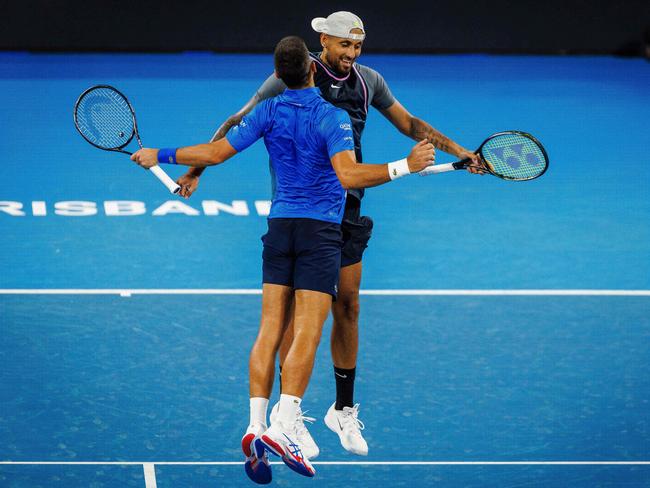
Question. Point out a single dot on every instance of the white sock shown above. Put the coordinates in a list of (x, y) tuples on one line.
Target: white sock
[(259, 407), (288, 409)]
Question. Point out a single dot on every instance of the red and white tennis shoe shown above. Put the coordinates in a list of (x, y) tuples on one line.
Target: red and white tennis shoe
[(281, 440), (257, 465), (306, 441)]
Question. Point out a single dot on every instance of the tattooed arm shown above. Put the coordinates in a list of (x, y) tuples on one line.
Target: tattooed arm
[(271, 87), (190, 180), (418, 129)]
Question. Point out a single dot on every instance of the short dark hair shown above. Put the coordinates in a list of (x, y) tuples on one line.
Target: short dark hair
[(292, 61)]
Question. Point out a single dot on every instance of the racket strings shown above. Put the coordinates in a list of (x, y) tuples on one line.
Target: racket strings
[(514, 156), (104, 117)]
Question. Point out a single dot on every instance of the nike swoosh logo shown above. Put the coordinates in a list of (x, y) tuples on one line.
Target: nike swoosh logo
[(339, 422), (341, 375), (334, 86)]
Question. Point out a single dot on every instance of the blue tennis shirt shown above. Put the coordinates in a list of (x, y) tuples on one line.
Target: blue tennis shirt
[(301, 132)]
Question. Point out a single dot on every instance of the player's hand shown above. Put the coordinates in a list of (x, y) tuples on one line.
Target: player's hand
[(422, 155), (477, 166), (188, 183), (145, 157)]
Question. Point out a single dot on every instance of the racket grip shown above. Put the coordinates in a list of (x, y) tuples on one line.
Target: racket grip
[(437, 168), (166, 180)]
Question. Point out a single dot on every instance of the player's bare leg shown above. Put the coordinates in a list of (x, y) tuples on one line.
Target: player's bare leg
[(344, 340), (342, 416), (275, 308), (287, 338), (311, 310), (309, 446), (276, 301)]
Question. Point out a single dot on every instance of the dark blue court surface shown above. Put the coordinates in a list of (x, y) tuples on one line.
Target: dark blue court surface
[(152, 380)]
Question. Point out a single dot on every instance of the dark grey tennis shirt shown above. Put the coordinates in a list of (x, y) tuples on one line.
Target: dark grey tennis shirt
[(354, 92)]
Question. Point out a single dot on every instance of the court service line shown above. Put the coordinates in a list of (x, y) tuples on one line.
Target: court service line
[(127, 292), (149, 475), (149, 465)]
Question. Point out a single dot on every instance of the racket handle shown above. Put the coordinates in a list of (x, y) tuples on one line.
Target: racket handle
[(166, 180), (437, 168), (443, 168)]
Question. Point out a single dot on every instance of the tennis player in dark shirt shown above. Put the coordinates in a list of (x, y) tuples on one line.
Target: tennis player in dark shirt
[(353, 87)]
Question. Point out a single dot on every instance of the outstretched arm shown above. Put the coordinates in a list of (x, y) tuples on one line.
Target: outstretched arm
[(225, 127), (418, 129), (271, 87), (353, 175), (250, 129), (198, 156), (190, 180)]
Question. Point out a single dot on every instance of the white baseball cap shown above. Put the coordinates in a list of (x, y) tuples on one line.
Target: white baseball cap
[(339, 24)]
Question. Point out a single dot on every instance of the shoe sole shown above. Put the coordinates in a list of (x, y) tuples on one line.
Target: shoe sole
[(256, 466), (296, 465)]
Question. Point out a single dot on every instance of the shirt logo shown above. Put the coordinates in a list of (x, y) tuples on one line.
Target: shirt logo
[(334, 86), (345, 126)]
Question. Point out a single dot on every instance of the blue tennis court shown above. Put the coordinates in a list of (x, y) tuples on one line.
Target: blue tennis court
[(505, 328)]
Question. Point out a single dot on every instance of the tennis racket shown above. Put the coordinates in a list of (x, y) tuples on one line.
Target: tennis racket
[(105, 118), (510, 155)]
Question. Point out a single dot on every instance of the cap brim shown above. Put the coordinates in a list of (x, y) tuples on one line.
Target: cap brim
[(318, 24)]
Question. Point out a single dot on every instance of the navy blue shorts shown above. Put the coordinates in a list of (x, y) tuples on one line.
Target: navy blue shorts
[(304, 254), (356, 232)]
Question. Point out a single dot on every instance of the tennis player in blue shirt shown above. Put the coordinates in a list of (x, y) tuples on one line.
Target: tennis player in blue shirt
[(356, 88), (311, 147)]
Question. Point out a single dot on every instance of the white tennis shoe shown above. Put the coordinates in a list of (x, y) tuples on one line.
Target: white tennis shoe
[(347, 425), (306, 441), (282, 441)]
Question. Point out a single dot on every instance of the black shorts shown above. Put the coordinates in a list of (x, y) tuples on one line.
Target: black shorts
[(356, 232), (304, 254)]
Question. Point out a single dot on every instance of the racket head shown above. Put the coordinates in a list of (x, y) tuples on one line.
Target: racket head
[(514, 155), (104, 117)]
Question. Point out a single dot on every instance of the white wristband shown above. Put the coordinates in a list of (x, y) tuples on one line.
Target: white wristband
[(397, 169)]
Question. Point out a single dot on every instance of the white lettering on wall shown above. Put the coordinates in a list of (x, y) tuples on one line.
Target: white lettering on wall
[(238, 207), (75, 208), (127, 208), (119, 208), (176, 207), (263, 207), (39, 209), (12, 208)]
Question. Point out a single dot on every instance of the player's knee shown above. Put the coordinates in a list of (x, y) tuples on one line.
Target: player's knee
[(267, 343), (348, 306), (306, 343), (269, 336)]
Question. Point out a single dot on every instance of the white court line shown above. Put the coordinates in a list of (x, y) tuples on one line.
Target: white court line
[(333, 463), (126, 292), (149, 475)]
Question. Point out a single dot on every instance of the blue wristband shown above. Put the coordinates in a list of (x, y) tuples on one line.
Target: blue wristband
[(167, 155)]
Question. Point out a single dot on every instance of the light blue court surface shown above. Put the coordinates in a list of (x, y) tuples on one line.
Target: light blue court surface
[(150, 380)]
